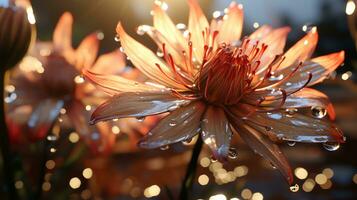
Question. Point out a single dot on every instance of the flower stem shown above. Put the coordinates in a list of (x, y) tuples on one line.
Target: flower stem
[(191, 170), (5, 147)]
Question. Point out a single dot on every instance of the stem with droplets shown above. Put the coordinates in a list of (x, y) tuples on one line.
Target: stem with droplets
[(191, 170)]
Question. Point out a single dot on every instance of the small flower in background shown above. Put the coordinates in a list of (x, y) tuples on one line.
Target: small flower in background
[(214, 82), (47, 90)]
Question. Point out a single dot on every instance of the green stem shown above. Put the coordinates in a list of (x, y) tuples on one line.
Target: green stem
[(191, 171), (8, 167)]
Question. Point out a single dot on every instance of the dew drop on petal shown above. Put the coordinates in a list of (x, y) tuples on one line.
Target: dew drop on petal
[(331, 146), (290, 112), (166, 147), (291, 143), (117, 38), (276, 78), (172, 124), (272, 166), (213, 159), (159, 53), (318, 112), (232, 153), (187, 142), (140, 119), (294, 188), (307, 27)]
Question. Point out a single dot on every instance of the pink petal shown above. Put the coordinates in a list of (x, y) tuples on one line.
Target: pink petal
[(302, 50), (216, 132), (87, 51), (197, 23), (138, 104), (232, 24), (146, 61), (109, 63), (264, 147), (114, 85), (180, 125), (261, 32), (43, 116), (62, 36)]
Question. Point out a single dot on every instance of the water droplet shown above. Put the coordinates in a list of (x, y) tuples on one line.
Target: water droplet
[(276, 78), (172, 124), (140, 119), (187, 142), (291, 143), (166, 147), (142, 29), (159, 53), (331, 146), (290, 111), (318, 112), (121, 49), (294, 188), (272, 166), (213, 159), (117, 38), (307, 27), (232, 153), (181, 27), (52, 137)]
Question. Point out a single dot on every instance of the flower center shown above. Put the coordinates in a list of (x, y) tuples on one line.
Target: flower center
[(228, 73)]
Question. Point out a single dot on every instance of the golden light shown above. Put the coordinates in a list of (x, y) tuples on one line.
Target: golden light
[(257, 196), (115, 129), (240, 171), (87, 173), (328, 172), (78, 79), (350, 7), (308, 185), (75, 183), (327, 185), (215, 166), (203, 179), (301, 173), (19, 184), (256, 25), (53, 150), (73, 137), (88, 107), (218, 197), (320, 179), (205, 162), (152, 191), (50, 164), (246, 193), (46, 186)]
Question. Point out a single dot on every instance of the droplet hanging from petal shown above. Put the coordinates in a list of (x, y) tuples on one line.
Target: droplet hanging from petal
[(331, 146)]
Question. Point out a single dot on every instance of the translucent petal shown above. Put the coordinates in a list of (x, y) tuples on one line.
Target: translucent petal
[(137, 104), (146, 61), (113, 85), (264, 147), (62, 36), (232, 24), (87, 51), (216, 132), (180, 125), (110, 63)]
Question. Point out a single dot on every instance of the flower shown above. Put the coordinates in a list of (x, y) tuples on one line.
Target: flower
[(214, 82), (47, 86)]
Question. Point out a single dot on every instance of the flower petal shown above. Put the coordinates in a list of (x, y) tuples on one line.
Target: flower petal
[(291, 126), (62, 36), (232, 25), (113, 85), (264, 147), (302, 50), (110, 63), (87, 51), (197, 23), (180, 125), (137, 104), (167, 28), (43, 116), (261, 32), (216, 132), (146, 61)]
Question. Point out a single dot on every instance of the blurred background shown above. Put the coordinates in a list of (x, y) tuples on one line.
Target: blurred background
[(73, 172)]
